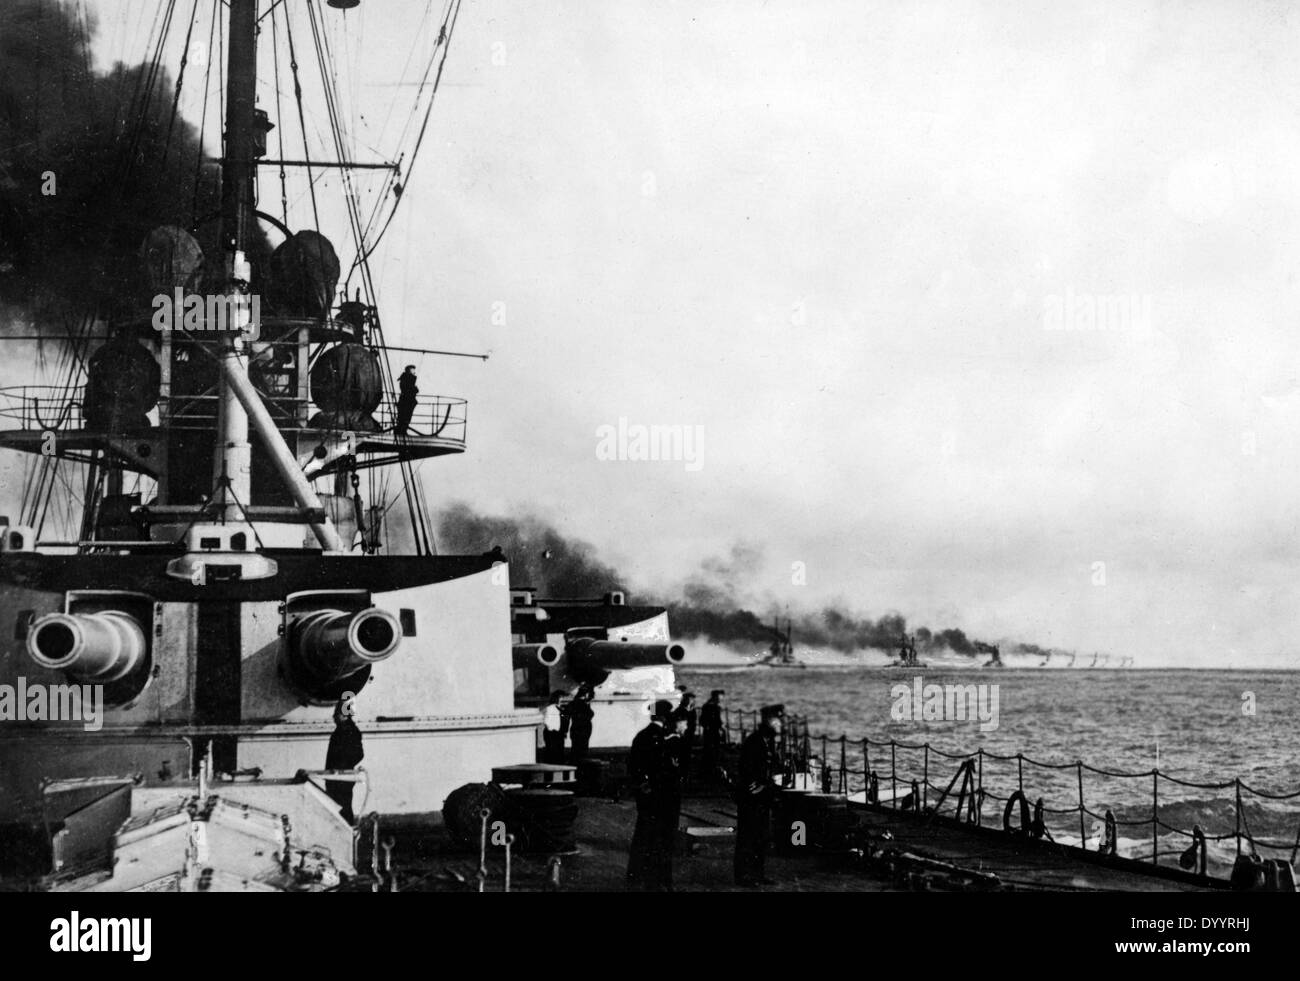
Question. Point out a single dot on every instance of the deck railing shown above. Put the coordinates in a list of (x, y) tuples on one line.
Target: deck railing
[(51, 407), (968, 780)]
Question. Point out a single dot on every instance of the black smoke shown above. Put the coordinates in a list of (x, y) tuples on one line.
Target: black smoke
[(540, 557), (708, 604), (121, 161)]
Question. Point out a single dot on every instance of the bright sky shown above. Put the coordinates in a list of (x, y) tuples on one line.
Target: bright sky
[(835, 235)]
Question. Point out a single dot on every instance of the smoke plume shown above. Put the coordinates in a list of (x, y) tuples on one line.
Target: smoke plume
[(711, 602), (540, 557), (89, 163)]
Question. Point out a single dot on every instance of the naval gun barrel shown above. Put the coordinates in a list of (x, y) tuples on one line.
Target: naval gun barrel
[(326, 646), (96, 648), (590, 658), (525, 655)]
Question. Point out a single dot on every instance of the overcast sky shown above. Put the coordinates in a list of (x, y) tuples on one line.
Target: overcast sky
[(857, 243)]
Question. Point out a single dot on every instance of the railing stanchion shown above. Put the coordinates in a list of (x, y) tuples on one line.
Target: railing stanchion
[(1020, 773), (1155, 816), (925, 780), (866, 764), (1083, 833), (893, 772), (1237, 782), (844, 764)]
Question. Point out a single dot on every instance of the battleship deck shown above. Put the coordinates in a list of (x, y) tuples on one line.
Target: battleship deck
[(430, 861)]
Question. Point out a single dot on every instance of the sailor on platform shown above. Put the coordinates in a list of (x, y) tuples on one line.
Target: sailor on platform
[(760, 763), (407, 391)]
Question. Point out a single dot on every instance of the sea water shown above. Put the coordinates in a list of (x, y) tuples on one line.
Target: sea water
[(1194, 726)]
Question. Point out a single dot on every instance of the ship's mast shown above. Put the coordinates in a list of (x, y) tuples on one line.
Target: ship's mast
[(233, 457)]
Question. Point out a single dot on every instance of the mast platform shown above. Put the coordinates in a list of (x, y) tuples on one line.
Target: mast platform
[(48, 420)]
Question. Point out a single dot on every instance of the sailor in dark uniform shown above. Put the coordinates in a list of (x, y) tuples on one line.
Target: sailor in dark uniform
[(553, 729), (711, 724), (646, 859), (691, 714), (581, 715), (673, 781), (760, 763), (407, 391), (344, 753)]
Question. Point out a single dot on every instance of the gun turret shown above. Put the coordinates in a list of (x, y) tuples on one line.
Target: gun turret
[(96, 648), (592, 660), (526, 655), (327, 646)]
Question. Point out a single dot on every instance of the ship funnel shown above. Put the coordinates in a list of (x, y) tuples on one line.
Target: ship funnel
[(528, 654), (592, 660), (330, 646), (90, 647)]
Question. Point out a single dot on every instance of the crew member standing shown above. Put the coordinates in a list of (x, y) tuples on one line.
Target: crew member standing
[(344, 753), (647, 864), (691, 715), (760, 762), (713, 732), (676, 754), (407, 391), (553, 730), (581, 715)]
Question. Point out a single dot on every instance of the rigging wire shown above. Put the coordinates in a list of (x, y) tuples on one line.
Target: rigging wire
[(444, 38), (302, 121), (414, 490), (275, 60), (180, 81), (325, 63), (203, 121)]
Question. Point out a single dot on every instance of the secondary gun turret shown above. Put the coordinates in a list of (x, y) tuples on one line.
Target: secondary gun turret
[(592, 660), (329, 647)]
